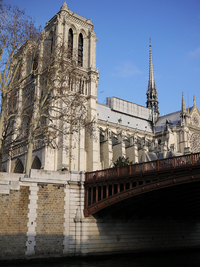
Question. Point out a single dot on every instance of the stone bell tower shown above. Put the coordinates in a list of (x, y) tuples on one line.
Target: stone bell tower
[(78, 34)]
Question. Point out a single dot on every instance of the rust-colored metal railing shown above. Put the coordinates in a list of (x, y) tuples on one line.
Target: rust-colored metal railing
[(143, 167), (104, 187)]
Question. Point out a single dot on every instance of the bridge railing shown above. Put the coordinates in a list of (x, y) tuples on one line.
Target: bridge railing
[(156, 165), (196, 158)]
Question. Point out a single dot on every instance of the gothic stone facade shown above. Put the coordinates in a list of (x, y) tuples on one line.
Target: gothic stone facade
[(123, 129)]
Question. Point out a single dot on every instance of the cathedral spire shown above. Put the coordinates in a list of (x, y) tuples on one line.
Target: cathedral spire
[(152, 95), (184, 112), (151, 73), (183, 107)]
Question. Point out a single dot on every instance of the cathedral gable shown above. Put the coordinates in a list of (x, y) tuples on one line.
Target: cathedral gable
[(195, 117)]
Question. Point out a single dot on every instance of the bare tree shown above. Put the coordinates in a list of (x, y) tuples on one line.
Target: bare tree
[(16, 31), (60, 107)]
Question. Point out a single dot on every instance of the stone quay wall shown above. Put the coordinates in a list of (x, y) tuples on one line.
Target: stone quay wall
[(42, 216)]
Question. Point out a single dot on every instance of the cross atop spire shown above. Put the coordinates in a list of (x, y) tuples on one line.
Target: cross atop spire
[(152, 95)]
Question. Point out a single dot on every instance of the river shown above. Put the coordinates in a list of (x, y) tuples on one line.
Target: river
[(158, 259)]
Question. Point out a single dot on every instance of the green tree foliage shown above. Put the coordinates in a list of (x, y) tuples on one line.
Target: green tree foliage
[(122, 161)]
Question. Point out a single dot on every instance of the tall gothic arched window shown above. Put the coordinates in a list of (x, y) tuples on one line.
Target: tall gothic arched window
[(19, 168), (35, 62), (52, 44), (70, 43), (36, 164), (51, 41), (80, 50)]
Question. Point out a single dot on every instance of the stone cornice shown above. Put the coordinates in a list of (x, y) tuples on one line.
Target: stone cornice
[(193, 128), (124, 128), (70, 16), (79, 20), (91, 97)]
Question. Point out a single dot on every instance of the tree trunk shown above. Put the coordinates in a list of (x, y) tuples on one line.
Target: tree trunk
[(1, 157), (2, 115), (29, 156)]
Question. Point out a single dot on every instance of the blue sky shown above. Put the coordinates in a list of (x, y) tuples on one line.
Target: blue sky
[(123, 29)]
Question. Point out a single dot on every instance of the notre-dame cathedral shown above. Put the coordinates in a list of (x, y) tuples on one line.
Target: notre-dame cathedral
[(123, 128)]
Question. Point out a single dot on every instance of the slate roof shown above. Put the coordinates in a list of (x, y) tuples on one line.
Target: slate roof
[(173, 119), (105, 113), (152, 156)]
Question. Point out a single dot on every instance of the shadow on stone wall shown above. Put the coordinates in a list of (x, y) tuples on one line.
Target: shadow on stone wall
[(46, 246), (12, 246), (162, 219)]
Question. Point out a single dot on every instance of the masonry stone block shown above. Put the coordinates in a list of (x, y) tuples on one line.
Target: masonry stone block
[(47, 216)]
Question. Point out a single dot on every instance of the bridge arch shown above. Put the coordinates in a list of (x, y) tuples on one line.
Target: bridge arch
[(178, 202), (107, 187)]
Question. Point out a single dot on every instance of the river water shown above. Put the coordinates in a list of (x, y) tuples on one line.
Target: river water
[(159, 259)]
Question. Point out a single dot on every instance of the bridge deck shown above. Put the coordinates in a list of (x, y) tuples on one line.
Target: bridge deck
[(106, 187)]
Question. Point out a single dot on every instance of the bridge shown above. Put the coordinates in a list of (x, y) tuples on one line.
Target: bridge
[(107, 187)]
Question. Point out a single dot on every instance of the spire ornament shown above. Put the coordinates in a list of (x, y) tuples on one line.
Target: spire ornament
[(194, 101), (184, 114), (64, 7), (183, 107)]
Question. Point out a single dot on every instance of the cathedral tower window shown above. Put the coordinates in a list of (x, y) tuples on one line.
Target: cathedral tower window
[(80, 50), (70, 43), (27, 125), (35, 62), (81, 86), (82, 89), (51, 44), (51, 40)]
